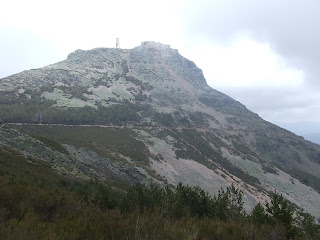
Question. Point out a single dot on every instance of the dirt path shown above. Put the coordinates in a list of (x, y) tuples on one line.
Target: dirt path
[(113, 126)]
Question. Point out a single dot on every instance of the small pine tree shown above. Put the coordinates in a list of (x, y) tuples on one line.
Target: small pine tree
[(229, 204), (281, 212), (259, 216)]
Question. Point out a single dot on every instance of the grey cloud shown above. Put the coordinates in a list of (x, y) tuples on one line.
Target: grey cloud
[(290, 26), (22, 50), (275, 104)]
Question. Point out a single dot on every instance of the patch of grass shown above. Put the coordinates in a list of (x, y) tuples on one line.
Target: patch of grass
[(269, 168), (51, 143), (104, 141)]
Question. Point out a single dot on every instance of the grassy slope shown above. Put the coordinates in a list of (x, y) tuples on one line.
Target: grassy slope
[(38, 203)]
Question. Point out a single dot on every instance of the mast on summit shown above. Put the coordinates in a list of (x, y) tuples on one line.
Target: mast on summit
[(117, 43)]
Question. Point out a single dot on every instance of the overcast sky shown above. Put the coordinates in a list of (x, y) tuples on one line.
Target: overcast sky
[(264, 53)]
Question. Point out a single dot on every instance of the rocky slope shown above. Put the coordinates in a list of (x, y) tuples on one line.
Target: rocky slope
[(156, 121)]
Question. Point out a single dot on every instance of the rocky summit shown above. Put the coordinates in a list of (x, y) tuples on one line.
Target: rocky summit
[(146, 115)]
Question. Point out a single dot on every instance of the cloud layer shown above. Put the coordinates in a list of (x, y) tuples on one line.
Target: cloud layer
[(289, 86)]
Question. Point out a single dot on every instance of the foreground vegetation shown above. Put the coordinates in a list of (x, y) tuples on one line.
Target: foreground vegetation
[(37, 203)]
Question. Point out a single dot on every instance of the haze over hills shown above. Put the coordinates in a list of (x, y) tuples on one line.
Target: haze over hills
[(309, 130), (147, 115)]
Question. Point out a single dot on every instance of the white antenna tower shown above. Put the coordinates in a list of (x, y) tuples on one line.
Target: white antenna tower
[(117, 43)]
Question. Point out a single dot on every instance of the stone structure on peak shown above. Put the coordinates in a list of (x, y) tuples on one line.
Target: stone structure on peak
[(153, 44)]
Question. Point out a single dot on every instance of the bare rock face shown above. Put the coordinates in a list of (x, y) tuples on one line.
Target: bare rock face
[(183, 129)]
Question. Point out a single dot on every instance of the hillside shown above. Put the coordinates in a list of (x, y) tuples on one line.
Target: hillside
[(38, 203), (147, 115)]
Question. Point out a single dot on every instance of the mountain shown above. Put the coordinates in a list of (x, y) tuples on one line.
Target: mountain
[(147, 115)]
